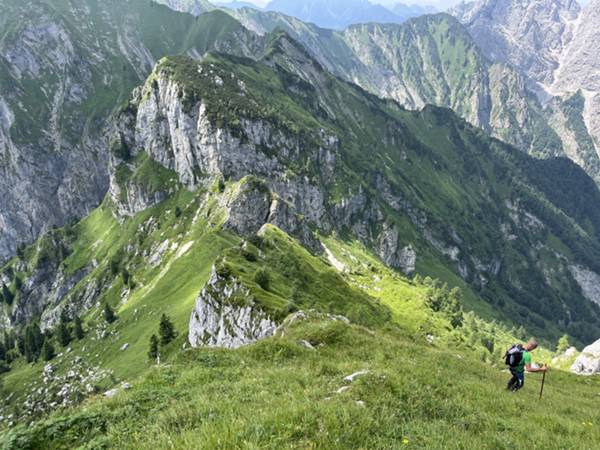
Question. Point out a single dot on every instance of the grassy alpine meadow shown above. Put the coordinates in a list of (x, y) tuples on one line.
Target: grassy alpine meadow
[(421, 383), (280, 394)]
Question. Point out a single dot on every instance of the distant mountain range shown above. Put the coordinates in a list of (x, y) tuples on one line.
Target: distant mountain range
[(236, 5), (333, 14), (338, 14), (195, 7)]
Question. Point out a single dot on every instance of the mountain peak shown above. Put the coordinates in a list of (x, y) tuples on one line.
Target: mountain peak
[(282, 49), (553, 43)]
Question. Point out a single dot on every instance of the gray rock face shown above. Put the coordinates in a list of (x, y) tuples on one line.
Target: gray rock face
[(189, 144), (248, 208), (589, 282), (225, 316), (392, 253), (43, 293), (407, 259), (554, 44), (579, 68), (47, 299), (588, 363), (528, 34)]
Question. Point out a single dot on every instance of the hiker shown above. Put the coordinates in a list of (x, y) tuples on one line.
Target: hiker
[(518, 358)]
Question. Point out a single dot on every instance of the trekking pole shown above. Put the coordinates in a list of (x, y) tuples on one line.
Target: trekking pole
[(543, 381)]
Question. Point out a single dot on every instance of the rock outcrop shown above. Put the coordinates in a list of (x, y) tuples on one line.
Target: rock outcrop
[(588, 363), (589, 282), (43, 293), (225, 315)]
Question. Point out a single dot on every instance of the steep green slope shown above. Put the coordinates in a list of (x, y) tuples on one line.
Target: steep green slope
[(142, 278), (279, 394)]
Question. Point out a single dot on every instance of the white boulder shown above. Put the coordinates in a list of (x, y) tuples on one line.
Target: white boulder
[(588, 363)]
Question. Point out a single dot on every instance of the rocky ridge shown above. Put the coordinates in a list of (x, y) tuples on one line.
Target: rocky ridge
[(175, 124), (427, 60)]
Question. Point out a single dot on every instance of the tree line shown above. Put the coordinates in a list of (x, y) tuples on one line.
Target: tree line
[(34, 344)]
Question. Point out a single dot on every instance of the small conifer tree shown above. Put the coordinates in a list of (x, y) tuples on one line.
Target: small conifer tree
[(33, 342), (48, 352), (153, 351), (63, 333), (78, 328), (166, 330), (262, 278), (7, 294)]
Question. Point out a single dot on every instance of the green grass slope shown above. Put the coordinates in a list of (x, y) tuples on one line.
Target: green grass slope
[(171, 287), (429, 385), (278, 394)]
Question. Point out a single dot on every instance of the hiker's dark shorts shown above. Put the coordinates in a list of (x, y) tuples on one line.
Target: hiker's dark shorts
[(517, 381)]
